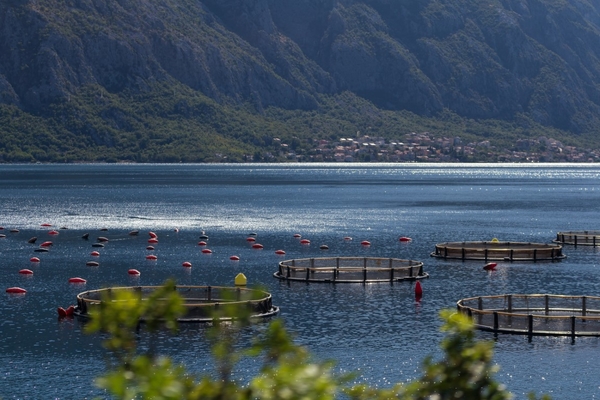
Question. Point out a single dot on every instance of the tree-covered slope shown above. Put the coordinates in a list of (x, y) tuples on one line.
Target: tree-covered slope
[(217, 80)]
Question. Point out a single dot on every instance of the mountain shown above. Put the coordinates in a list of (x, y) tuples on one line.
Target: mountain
[(184, 80)]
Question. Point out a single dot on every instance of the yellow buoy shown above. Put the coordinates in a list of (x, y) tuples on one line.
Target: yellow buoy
[(240, 280), (495, 240)]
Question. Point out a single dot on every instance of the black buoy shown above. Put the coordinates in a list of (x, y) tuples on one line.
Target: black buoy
[(134, 233), (86, 236), (32, 240)]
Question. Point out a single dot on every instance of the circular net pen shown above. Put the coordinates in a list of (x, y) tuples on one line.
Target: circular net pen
[(535, 314), (201, 303), (350, 270), (579, 238), (498, 251)]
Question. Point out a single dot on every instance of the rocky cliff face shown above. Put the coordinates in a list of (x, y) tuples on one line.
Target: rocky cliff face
[(496, 59)]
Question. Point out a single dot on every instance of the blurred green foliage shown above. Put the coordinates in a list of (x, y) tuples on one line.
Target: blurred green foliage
[(466, 370)]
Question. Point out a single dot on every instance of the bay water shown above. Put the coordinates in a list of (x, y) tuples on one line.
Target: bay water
[(376, 330)]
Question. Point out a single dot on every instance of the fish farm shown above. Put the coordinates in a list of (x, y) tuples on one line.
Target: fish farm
[(498, 251), (350, 270), (578, 238), (201, 302), (535, 314)]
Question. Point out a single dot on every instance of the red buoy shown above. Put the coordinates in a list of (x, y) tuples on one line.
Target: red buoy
[(418, 291), (305, 241), (187, 264), (133, 272), (348, 238), (77, 280), (153, 235), (70, 310), (250, 239), (297, 235), (95, 254), (16, 290), (490, 266), (26, 272), (202, 243), (206, 251), (92, 263), (61, 312), (46, 244), (46, 224), (279, 252), (34, 260), (365, 243), (151, 257), (152, 240), (234, 258), (149, 247), (404, 239), (52, 232)]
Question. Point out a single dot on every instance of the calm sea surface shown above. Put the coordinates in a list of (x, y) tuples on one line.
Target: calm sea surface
[(376, 330)]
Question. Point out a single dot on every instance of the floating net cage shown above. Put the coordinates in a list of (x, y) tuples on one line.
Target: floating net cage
[(535, 314), (498, 251), (350, 270), (579, 238), (201, 302)]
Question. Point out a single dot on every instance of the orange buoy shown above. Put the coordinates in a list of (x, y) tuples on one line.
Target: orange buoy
[(92, 263), (234, 258), (187, 264), (95, 254), (490, 266), (151, 257), (257, 246), (133, 272), (46, 224), (26, 272), (149, 247), (206, 251), (305, 241), (102, 239), (365, 243), (77, 280), (279, 252), (418, 290), (153, 235), (46, 244), (297, 235), (16, 290), (52, 232), (404, 239), (70, 310), (250, 239), (34, 260), (61, 312), (201, 243), (152, 240)]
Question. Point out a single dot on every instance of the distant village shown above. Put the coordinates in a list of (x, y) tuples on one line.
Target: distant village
[(425, 147)]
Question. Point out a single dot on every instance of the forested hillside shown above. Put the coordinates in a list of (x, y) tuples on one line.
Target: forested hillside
[(219, 80)]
